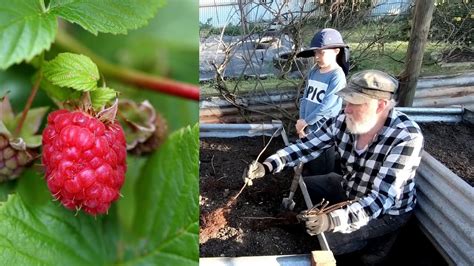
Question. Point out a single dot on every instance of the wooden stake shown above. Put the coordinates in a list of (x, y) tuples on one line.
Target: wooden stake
[(322, 258)]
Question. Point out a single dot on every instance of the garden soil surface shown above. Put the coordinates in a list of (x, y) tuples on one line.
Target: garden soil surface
[(255, 225), (452, 145)]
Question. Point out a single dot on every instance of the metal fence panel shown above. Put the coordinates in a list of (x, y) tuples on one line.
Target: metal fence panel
[(391, 8), (220, 13)]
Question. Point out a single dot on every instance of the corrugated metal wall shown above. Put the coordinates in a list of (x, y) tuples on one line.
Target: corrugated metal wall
[(219, 13), (391, 7)]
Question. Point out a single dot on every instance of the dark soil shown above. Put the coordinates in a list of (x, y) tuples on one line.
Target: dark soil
[(236, 228), (252, 225), (452, 145)]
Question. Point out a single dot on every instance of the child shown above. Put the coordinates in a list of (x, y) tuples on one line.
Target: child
[(319, 101), (327, 77)]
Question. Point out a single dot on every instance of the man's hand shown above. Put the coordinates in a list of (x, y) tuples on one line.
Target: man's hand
[(253, 171), (316, 223), (301, 134), (300, 125)]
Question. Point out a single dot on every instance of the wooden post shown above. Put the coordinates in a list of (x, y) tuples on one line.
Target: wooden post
[(322, 258), (416, 47)]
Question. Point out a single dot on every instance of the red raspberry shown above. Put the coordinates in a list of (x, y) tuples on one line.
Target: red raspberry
[(84, 159)]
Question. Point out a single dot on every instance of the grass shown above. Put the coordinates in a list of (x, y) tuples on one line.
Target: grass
[(252, 85), (389, 57), (392, 59)]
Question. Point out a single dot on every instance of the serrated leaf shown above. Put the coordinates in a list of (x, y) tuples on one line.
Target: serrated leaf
[(108, 16), (25, 31), (101, 96), (38, 232), (73, 71), (166, 209)]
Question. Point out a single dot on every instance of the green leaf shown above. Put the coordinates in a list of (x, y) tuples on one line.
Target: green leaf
[(57, 93), (33, 190), (17, 82), (25, 31), (4, 130), (126, 205), (166, 46), (109, 16), (101, 96), (72, 70), (6, 111), (6, 188), (33, 141), (166, 210), (32, 121), (38, 232)]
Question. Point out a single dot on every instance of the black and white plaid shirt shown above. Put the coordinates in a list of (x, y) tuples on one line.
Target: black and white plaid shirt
[(380, 180)]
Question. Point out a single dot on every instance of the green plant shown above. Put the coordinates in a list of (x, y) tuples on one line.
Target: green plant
[(453, 22), (155, 220)]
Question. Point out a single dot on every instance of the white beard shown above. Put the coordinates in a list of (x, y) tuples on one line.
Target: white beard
[(361, 127)]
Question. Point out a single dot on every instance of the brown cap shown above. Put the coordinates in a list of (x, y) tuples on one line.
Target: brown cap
[(369, 84)]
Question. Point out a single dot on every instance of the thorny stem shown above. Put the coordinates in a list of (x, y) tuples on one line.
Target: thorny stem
[(128, 75), (238, 194), (266, 146), (325, 209), (29, 103)]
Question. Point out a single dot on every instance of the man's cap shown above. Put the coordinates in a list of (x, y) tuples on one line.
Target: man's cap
[(369, 84), (324, 39)]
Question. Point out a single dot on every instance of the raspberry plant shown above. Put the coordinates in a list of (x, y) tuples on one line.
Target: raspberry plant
[(146, 216)]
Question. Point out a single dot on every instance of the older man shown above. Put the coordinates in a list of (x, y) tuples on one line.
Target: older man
[(380, 150)]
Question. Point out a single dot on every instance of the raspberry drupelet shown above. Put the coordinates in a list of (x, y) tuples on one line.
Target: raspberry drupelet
[(84, 159)]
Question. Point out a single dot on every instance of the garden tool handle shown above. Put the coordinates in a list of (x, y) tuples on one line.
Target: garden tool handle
[(296, 179), (321, 237)]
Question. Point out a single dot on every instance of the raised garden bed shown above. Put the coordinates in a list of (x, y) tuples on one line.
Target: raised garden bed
[(242, 233), (451, 144), (222, 164)]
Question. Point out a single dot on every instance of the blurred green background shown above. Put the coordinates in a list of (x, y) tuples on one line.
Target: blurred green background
[(168, 46), (155, 222)]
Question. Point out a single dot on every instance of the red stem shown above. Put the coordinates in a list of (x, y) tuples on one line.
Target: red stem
[(160, 84), (127, 75), (29, 102)]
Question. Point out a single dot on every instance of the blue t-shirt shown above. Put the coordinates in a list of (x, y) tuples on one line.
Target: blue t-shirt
[(319, 101)]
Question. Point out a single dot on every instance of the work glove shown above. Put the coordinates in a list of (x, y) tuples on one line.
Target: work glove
[(253, 171), (316, 223)]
